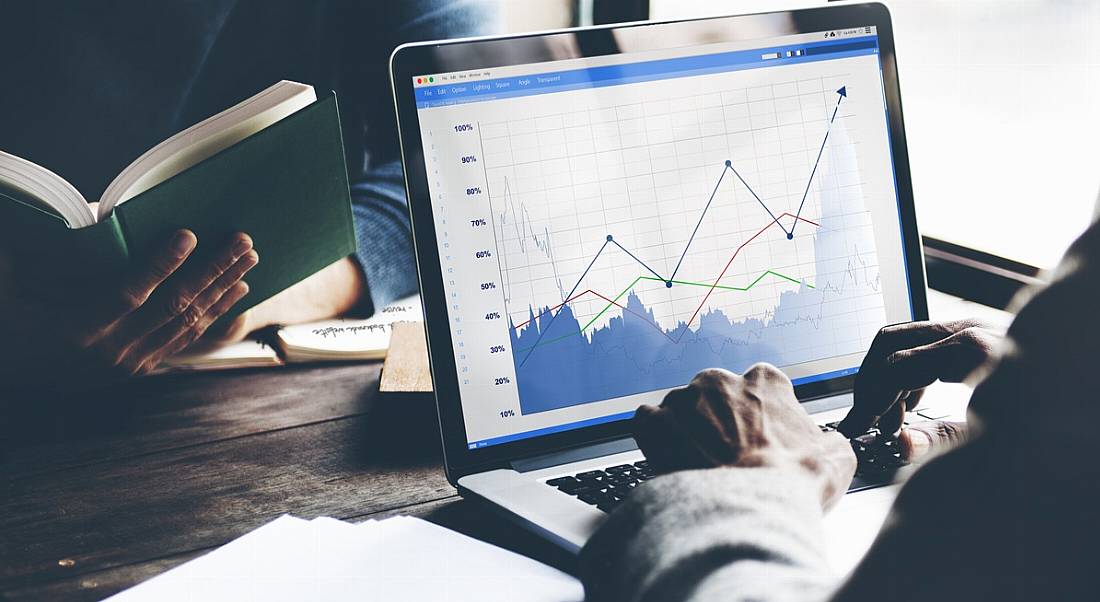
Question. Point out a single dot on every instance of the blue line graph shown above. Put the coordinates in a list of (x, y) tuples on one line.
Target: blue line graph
[(843, 92), (691, 238)]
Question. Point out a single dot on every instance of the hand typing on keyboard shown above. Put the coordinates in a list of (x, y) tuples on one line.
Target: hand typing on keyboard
[(902, 361), (755, 420)]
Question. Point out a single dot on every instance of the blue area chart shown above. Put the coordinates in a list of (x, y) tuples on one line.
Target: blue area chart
[(561, 364), (629, 355)]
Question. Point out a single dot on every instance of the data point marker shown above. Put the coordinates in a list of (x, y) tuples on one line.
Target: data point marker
[(668, 284), (608, 238), (729, 163), (790, 235)]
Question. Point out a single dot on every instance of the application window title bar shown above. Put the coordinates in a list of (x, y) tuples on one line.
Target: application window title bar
[(611, 75)]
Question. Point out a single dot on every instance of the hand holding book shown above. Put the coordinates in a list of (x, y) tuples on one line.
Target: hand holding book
[(271, 166), (125, 325)]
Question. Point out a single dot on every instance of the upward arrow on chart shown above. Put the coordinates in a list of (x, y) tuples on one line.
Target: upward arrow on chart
[(842, 93)]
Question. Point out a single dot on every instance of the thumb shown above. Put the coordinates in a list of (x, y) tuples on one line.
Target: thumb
[(919, 441)]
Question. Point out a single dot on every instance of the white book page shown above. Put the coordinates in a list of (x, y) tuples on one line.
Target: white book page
[(244, 354), (51, 192)]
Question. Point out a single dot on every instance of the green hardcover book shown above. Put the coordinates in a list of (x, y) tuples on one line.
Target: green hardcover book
[(272, 166)]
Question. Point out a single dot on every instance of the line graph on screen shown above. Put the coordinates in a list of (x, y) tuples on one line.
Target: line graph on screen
[(624, 270)]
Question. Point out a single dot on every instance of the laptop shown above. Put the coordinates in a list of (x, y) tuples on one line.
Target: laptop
[(598, 214)]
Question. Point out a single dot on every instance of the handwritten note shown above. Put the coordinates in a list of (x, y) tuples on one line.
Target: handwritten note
[(336, 331), (347, 339)]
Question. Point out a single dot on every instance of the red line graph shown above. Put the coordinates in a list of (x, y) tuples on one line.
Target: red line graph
[(734, 256)]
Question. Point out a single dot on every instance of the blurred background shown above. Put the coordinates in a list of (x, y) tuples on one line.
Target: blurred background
[(1002, 110)]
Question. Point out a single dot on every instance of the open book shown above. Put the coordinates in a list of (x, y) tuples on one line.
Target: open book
[(50, 192), (339, 340), (271, 166)]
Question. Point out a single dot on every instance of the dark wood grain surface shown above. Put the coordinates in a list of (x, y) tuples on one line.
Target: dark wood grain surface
[(104, 489)]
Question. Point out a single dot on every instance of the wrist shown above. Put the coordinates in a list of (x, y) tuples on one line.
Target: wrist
[(331, 292), (921, 440), (829, 464)]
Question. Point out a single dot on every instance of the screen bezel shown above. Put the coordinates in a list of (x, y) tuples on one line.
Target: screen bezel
[(411, 60)]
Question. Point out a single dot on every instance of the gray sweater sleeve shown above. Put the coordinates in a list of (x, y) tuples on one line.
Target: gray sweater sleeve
[(1009, 515), (722, 534)]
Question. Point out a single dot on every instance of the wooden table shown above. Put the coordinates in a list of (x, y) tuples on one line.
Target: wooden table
[(100, 491)]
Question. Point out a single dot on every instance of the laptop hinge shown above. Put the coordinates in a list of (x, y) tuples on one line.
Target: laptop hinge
[(575, 454)]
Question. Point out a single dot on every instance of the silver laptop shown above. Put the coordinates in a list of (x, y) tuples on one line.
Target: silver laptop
[(599, 214)]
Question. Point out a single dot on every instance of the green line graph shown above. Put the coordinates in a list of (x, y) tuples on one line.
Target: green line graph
[(615, 301)]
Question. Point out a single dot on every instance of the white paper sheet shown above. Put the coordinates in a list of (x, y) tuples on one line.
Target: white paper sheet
[(396, 559)]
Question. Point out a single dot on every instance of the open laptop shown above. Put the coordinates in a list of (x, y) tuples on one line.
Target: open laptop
[(598, 214)]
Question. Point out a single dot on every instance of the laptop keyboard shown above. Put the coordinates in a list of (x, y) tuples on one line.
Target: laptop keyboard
[(878, 460), (607, 488)]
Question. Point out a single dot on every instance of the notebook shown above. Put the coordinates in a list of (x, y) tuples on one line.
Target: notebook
[(244, 354), (343, 339)]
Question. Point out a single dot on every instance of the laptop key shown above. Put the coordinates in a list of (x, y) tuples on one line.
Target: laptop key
[(597, 498), (592, 497), (571, 487), (591, 474), (558, 482)]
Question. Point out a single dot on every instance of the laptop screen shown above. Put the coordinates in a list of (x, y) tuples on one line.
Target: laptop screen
[(609, 226)]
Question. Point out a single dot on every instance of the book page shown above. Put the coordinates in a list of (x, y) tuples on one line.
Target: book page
[(43, 189), (245, 354)]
